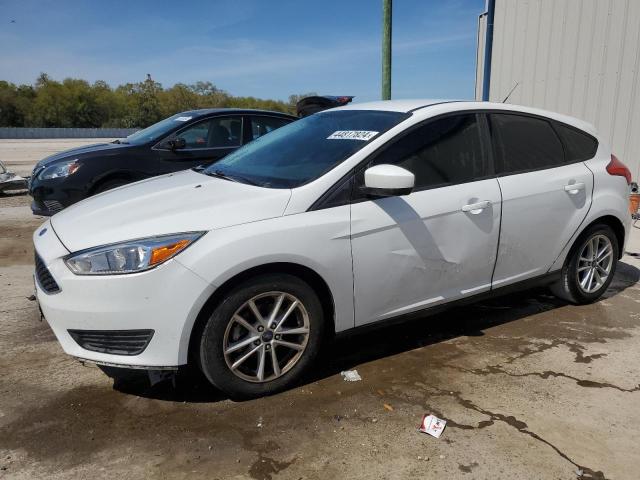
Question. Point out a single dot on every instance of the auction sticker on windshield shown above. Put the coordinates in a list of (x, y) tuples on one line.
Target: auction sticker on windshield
[(363, 135), (183, 119)]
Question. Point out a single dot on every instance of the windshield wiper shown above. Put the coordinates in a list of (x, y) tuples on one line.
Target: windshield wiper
[(231, 178), (123, 142), (221, 174)]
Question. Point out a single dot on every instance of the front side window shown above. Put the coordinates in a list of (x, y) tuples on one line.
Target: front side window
[(263, 125), (195, 136), (305, 149), (444, 151), (217, 132), (523, 143)]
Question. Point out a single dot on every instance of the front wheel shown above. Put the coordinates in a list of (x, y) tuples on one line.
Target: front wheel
[(590, 267), (262, 337)]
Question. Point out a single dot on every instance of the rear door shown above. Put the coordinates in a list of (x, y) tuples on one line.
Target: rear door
[(206, 142), (545, 197), (438, 243)]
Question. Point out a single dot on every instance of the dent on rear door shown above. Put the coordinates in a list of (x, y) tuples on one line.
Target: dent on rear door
[(540, 214)]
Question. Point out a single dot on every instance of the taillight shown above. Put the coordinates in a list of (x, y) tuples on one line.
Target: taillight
[(616, 167)]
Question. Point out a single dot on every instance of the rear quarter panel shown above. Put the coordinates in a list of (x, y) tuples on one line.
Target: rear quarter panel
[(610, 198)]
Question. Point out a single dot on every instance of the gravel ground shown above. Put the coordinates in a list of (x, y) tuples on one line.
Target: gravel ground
[(531, 388)]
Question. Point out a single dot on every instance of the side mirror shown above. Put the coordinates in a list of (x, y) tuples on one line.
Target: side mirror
[(176, 143), (388, 181)]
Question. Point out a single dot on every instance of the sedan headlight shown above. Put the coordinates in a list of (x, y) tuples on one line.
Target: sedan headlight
[(130, 257), (60, 170)]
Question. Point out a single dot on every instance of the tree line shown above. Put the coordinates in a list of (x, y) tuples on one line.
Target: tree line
[(78, 103)]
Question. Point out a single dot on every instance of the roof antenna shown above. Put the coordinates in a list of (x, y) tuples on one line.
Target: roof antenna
[(507, 97)]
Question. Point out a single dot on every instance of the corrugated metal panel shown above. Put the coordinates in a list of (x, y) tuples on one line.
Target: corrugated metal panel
[(579, 57)]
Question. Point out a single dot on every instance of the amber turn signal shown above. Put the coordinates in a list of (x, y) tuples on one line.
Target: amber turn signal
[(160, 254)]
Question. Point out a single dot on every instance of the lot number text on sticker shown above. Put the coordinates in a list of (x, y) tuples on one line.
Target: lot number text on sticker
[(363, 135)]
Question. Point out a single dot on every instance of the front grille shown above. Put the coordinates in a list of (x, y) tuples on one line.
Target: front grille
[(116, 342), (53, 206), (45, 280)]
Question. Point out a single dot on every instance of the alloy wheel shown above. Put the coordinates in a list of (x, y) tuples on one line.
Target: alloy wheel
[(266, 336), (594, 263)]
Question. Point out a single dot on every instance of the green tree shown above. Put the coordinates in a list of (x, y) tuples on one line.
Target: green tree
[(14, 103), (149, 109), (76, 103)]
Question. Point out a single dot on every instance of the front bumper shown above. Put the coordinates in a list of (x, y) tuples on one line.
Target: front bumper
[(46, 208), (165, 300), (52, 196)]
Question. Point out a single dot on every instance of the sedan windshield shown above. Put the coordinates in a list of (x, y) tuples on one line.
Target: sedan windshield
[(156, 130), (304, 150)]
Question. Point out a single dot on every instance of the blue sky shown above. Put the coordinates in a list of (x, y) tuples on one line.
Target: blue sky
[(264, 48)]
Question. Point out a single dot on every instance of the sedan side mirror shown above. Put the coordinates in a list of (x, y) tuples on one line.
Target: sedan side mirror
[(177, 143), (388, 181)]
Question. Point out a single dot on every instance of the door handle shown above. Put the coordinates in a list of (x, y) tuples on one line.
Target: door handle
[(476, 208), (574, 188)]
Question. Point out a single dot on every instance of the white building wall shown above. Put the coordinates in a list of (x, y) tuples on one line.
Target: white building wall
[(578, 57)]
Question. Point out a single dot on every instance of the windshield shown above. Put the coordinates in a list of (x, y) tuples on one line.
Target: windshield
[(305, 149), (157, 130)]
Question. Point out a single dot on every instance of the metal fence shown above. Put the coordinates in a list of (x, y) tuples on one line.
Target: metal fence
[(7, 132)]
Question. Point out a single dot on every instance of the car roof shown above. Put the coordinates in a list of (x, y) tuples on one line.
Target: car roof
[(394, 105), (407, 106), (246, 111)]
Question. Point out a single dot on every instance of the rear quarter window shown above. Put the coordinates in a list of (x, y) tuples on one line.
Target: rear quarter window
[(579, 145)]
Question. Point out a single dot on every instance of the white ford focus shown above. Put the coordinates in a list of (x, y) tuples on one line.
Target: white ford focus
[(347, 218)]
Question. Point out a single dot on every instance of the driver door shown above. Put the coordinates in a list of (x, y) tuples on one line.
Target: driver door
[(205, 142), (438, 243)]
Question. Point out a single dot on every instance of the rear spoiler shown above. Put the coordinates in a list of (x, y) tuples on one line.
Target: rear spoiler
[(310, 105)]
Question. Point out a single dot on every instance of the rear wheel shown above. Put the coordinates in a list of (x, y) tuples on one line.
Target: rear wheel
[(262, 337), (590, 266)]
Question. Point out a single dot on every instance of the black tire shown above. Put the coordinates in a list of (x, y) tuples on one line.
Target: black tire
[(211, 352), (568, 287), (109, 185)]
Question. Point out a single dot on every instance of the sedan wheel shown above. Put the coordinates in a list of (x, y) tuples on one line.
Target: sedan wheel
[(261, 338), (594, 263), (590, 266), (266, 336)]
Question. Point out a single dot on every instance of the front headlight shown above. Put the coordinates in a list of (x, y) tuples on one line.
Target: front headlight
[(60, 170), (130, 257)]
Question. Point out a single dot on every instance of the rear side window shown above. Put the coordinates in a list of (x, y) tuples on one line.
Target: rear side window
[(263, 125), (444, 151), (579, 145), (523, 143)]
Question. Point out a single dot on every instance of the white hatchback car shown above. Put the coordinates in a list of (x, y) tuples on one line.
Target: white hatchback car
[(346, 218)]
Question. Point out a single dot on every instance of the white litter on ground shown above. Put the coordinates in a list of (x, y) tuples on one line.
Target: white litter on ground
[(351, 376), (432, 425)]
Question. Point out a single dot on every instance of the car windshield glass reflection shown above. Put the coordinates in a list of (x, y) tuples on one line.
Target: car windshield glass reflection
[(305, 149)]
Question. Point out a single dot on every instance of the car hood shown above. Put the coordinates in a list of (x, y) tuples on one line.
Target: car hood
[(81, 151), (178, 202)]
